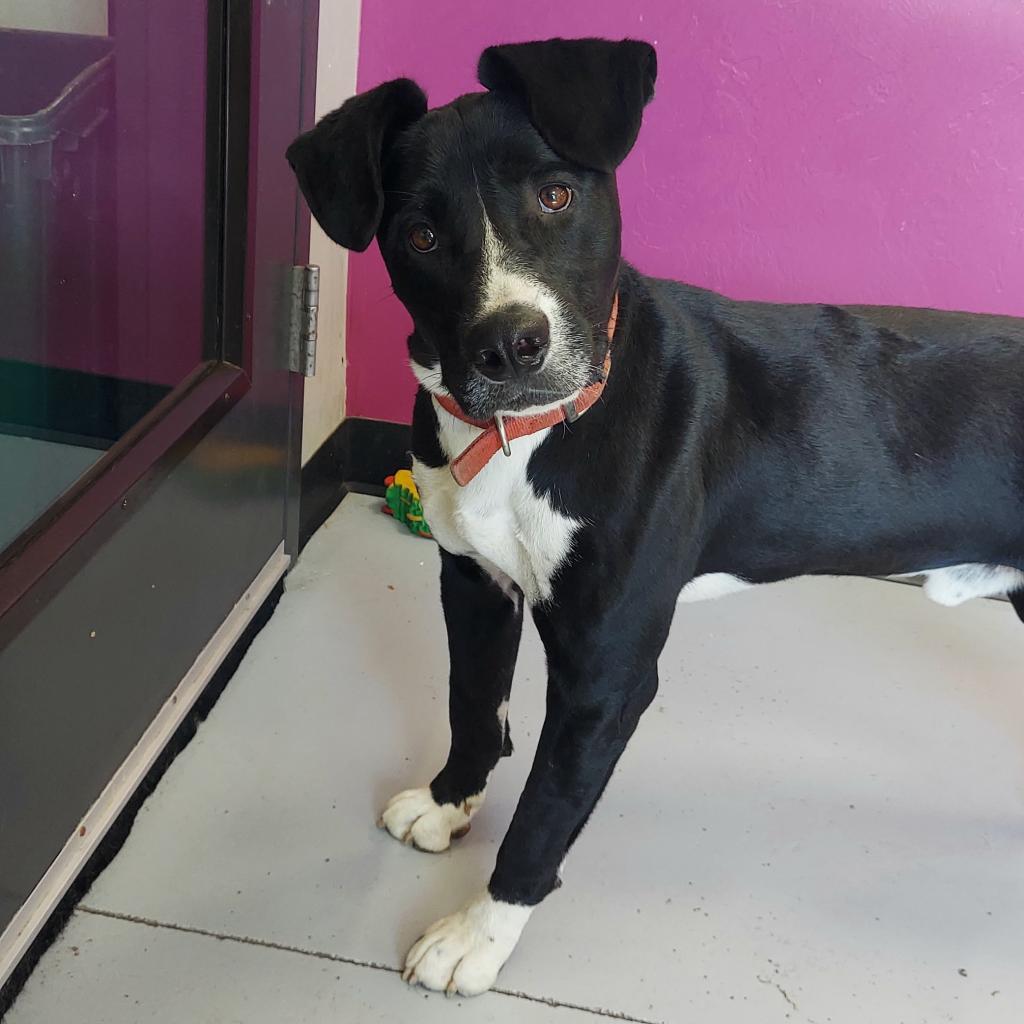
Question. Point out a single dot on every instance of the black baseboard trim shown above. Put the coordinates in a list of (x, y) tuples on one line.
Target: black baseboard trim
[(356, 457), (119, 831)]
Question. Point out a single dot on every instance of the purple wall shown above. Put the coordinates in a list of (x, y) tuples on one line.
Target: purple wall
[(834, 150)]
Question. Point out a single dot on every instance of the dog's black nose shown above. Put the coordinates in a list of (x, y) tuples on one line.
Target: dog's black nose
[(510, 344)]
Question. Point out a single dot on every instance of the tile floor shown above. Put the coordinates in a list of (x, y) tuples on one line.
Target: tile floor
[(821, 819)]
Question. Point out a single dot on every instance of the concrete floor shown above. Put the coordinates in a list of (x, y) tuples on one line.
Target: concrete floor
[(820, 819)]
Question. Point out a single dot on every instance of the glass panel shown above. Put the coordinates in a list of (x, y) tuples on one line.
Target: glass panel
[(102, 172)]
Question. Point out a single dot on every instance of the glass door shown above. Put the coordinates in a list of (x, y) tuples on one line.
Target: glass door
[(149, 425), (104, 231)]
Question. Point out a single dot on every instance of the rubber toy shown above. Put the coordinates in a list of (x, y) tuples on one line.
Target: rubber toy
[(402, 502)]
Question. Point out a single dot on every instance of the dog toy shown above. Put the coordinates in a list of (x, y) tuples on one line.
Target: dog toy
[(402, 502)]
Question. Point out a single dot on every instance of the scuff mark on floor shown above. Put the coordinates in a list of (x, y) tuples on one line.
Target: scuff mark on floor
[(781, 990)]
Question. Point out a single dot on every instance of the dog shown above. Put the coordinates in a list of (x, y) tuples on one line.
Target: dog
[(727, 443)]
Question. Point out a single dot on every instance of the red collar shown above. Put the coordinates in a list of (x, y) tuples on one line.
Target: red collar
[(497, 433)]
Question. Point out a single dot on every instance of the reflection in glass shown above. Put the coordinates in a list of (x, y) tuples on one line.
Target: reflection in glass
[(102, 122)]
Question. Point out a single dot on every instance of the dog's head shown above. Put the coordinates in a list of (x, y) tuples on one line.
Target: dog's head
[(497, 215)]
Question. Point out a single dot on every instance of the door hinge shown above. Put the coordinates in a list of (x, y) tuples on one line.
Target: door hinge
[(305, 300)]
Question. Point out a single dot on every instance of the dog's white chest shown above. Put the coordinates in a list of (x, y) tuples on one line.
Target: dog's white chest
[(497, 518)]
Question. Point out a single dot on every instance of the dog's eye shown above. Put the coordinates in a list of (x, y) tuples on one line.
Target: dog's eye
[(554, 198), (422, 238)]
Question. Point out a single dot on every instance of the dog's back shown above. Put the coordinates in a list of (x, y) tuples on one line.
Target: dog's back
[(815, 400)]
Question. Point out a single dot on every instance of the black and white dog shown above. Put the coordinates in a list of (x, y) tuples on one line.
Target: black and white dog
[(721, 443)]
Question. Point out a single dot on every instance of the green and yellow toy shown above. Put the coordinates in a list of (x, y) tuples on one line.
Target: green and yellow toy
[(402, 502)]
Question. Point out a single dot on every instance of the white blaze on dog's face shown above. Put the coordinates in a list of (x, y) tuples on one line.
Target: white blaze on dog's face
[(512, 296), (497, 215)]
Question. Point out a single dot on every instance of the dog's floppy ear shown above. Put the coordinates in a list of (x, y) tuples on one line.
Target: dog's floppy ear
[(338, 163), (585, 96)]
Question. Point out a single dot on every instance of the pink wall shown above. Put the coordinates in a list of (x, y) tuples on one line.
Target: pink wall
[(799, 150)]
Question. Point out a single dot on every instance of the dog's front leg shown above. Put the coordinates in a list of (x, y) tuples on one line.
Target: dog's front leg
[(599, 685), (484, 623)]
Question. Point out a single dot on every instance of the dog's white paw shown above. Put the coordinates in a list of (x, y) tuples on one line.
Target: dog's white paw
[(414, 818), (464, 952)]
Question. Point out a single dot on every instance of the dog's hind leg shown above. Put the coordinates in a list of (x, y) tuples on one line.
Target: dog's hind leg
[(484, 622), (1017, 600)]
